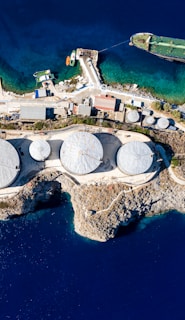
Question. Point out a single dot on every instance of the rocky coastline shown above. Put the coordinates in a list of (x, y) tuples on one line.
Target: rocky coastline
[(99, 209)]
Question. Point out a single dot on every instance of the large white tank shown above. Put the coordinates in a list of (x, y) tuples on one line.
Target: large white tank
[(39, 150), (134, 157), (9, 163), (81, 153)]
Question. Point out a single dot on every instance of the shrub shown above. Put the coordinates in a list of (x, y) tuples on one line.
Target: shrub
[(174, 162), (156, 105), (176, 114), (167, 107), (39, 125)]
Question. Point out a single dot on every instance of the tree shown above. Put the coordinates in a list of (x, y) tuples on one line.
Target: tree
[(156, 105)]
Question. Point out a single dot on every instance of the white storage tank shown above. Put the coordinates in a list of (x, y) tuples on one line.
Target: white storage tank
[(39, 150), (163, 123), (134, 158), (9, 164), (150, 120), (132, 116), (81, 153)]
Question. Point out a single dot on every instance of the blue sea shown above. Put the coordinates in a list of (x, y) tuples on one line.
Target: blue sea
[(39, 34), (47, 270)]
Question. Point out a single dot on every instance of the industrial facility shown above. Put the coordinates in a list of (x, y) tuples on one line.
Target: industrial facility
[(39, 150), (9, 164), (81, 153), (134, 158)]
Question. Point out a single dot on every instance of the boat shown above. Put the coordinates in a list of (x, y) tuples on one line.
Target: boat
[(68, 60), (73, 58), (43, 75), (171, 49)]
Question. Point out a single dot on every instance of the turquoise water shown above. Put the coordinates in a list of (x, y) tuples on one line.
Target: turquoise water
[(37, 38)]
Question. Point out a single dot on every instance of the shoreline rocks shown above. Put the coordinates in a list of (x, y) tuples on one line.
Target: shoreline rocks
[(99, 210)]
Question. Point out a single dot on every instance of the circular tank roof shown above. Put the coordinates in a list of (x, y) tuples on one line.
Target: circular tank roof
[(9, 163), (133, 116), (150, 120), (81, 153), (134, 157), (40, 150), (163, 123)]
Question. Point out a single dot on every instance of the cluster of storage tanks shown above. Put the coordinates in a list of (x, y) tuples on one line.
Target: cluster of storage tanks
[(80, 154), (133, 116)]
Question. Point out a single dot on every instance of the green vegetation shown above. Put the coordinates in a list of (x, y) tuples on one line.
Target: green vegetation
[(4, 205), (157, 105), (167, 107), (39, 125), (130, 106), (176, 114), (174, 162), (140, 130)]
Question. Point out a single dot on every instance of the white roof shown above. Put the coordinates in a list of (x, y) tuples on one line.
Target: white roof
[(43, 78), (40, 150), (163, 123), (9, 163), (132, 116), (81, 153), (134, 157), (150, 119)]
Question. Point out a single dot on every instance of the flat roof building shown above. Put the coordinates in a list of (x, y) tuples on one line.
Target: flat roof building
[(33, 113), (105, 103)]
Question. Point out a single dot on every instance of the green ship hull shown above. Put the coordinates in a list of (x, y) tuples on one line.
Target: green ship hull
[(171, 49), (43, 75)]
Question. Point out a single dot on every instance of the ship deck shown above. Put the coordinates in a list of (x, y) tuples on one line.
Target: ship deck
[(166, 46)]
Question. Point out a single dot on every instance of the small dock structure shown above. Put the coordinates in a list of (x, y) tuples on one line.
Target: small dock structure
[(88, 60)]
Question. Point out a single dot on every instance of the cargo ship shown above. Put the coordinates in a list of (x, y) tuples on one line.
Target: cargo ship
[(171, 49), (43, 75)]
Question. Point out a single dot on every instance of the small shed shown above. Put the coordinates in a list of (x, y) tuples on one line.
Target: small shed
[(84, 110), (40, 93)]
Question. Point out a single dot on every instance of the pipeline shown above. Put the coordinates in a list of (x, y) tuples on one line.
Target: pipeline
[(115, 45)]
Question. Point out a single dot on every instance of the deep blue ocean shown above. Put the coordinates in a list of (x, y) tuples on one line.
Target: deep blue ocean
[(47, 270)]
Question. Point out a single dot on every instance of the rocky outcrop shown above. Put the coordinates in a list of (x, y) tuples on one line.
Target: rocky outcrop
[(41, 190), (99, 209)]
